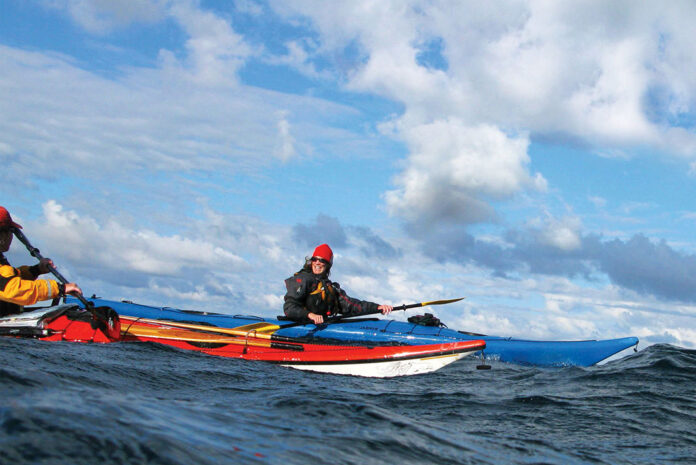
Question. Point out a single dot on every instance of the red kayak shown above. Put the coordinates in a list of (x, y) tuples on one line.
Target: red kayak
[(348, 359)]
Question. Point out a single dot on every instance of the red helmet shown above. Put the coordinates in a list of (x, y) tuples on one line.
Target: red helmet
[(7, 223), (325, 252)]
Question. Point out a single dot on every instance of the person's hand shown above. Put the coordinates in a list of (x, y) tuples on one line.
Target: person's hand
[(385, 309), (72, 288), (44, 263), (317, 319)]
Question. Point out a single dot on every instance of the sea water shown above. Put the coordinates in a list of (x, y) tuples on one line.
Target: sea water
[(138, 403)]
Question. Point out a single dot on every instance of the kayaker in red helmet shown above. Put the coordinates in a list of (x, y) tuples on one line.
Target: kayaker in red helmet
[(312, 296), (19, 286)]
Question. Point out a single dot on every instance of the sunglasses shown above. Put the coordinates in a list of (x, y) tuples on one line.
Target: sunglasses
[(317, 259)]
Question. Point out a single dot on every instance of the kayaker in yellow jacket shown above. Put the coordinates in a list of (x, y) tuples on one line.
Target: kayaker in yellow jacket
[(20, 286), (310, 294)]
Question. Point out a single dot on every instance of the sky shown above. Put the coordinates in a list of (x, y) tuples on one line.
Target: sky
[(535, 157)]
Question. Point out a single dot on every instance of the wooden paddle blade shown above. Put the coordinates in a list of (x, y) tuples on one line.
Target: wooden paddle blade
[(155, 331), (257, 330)]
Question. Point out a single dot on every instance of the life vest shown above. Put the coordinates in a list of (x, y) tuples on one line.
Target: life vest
[(26, 289), (323, 300)]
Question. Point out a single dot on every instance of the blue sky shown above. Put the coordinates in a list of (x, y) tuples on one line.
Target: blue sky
[(538, 158)]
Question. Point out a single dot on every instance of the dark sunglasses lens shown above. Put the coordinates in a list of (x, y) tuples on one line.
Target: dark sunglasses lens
[(315, 259)]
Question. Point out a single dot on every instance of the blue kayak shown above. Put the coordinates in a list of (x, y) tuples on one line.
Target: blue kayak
[(381, 331)]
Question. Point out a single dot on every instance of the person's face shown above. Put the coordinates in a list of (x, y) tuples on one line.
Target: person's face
[(318, 265), (5, 240)]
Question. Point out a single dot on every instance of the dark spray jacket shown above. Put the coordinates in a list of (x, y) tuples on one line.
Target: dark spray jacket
[(309, 293)]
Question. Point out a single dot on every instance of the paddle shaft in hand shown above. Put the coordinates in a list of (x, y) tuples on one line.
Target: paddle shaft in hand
[(35, 253), (400, 307)]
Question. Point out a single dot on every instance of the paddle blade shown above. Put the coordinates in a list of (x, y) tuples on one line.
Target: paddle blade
[(441, 302), (423, 304)]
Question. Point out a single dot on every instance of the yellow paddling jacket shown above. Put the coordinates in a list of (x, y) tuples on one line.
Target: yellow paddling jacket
[(19, 287)]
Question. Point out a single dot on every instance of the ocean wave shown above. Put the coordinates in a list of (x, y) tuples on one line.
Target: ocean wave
[(146, 403)]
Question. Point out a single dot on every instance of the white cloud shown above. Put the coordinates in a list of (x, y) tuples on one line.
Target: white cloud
[(216, 51), (57, 116), (249, 7), (300, 55), (103, 16), (546, 67), (226, 268), (122, 250), (455, 169), (538, 68), (563, 234), (610, 106), (597, 201), (286, 146)]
